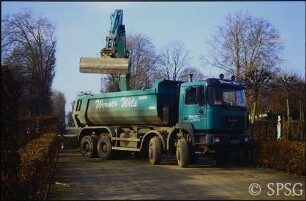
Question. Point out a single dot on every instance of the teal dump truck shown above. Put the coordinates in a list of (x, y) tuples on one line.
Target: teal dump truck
[(183, 119), (189, 120)]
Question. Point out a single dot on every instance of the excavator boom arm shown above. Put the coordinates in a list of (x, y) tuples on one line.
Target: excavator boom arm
[(114, 57)]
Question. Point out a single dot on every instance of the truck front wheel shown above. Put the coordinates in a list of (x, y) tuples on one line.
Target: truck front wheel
[(88, 146), (104, 148), (182, 153), (155, 151)]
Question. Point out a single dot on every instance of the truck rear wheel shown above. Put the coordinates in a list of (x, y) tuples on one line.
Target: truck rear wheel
[(155, 151), (182, 153), (104, 148), (88, 146)]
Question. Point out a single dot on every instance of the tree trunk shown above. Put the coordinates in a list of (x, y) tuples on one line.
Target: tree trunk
[(288, 118), (254, 111), (301, 111), (288, 110)]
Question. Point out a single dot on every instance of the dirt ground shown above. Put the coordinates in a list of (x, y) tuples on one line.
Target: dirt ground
[(132, 178)]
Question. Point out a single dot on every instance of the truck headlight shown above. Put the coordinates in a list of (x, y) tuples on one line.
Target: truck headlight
[(216, 139)]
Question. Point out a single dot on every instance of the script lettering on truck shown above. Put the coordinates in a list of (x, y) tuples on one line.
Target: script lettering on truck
[(125, 102), (100, 104), (128, 102)]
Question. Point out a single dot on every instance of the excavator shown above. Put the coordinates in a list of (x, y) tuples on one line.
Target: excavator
[(115, 58)]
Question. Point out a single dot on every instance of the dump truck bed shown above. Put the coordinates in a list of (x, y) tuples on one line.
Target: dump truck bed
[(154, 106)]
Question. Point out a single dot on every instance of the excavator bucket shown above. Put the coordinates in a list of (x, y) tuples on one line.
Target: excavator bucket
[(104, 65)]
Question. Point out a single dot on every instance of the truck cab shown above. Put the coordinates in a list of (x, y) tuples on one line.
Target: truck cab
[(216, 111)]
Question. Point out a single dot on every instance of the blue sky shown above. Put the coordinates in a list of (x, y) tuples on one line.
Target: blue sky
[(81, 28)]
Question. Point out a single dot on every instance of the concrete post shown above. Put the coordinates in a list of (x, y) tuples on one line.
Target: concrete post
[(279, 127)]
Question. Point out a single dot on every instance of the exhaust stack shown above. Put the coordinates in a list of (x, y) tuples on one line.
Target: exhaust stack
[(190, 77)]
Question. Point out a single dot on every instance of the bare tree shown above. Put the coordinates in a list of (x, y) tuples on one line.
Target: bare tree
[(284, 96), (174, 58), (109, 83), (196, 73), (299, 91), (292, 87), (28, 45), (257, 81), (70, 120), (144, 60), (58, 105), (286, 82), (249, 48), (10, 110)]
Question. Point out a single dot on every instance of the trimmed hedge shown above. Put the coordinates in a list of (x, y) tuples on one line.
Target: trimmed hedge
[(33, 127), (288, 156), (9, 161), (69, 142), (263, 130), (36, 164)]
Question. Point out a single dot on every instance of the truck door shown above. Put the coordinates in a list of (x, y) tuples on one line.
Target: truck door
[(193, 110)]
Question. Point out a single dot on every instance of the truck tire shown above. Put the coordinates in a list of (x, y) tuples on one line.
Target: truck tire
[(88, 146), (155, 151), (104, 148), (182, 153), (221, 158)]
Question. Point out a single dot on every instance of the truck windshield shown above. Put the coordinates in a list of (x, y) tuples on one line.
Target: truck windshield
[(229, 97)]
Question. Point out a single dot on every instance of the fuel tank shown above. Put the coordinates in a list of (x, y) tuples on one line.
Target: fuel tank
[(154, 106)]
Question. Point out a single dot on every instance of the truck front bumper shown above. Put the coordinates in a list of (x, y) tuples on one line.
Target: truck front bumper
[(222, 140)]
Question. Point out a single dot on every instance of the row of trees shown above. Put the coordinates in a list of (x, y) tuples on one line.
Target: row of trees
[(251, 48), (28, 47), (245, 46), (284, 95)]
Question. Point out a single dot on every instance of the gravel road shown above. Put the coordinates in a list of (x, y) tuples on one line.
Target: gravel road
[(132, 178)]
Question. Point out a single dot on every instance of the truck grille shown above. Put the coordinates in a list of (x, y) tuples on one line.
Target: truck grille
[(232, 122)]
